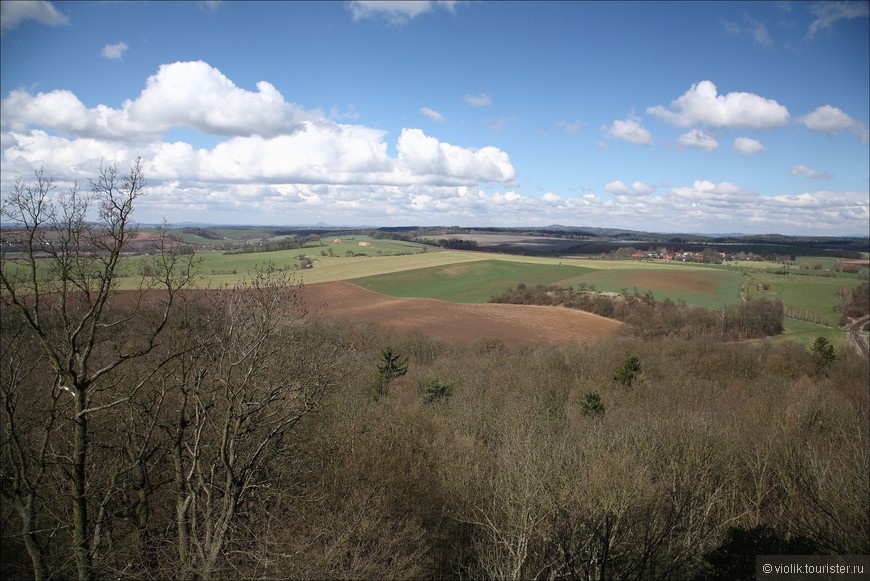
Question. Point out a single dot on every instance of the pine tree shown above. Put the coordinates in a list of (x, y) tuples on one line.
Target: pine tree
[(823, 354), (392, 365), (628, 372)]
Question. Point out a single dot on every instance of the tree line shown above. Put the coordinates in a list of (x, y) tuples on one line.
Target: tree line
[(648, 317), (230, 433)]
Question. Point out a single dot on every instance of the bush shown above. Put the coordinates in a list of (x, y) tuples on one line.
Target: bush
[(592, 404), (627, 373), (434, 390)]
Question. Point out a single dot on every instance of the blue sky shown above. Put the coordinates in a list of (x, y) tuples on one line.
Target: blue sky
[(692, 117)]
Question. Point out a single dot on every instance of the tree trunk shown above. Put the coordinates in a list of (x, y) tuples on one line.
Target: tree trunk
[(31, 543), (79, 482)]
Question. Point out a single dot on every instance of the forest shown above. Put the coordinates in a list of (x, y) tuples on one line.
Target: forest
[(171, 432)]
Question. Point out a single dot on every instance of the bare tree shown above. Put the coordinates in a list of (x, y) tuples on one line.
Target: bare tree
[(64, 287), (25, 443), (244, 387), (509, 501)]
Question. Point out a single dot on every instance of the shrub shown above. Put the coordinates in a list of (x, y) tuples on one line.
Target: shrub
[(592, 404), (434, 390), (627, 373)]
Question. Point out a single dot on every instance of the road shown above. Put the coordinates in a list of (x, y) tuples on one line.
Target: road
[(858, 338)]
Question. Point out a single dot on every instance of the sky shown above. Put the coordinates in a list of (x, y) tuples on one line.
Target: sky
[(701, 117)]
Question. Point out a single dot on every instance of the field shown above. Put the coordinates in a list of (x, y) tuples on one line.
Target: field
[(469, 282), (410, 270), (806, 296), (457, 322), (709, 287)]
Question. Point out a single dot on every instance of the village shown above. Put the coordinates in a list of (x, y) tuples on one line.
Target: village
[(708, 256)]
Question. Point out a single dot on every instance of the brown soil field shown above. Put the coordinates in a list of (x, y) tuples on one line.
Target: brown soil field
[(458, 322), (671, 280)]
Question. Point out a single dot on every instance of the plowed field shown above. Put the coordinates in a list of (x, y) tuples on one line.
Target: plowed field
[(460, 322)]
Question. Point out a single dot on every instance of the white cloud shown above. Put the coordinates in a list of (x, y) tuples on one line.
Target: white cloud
[(482, 100), (704, 206), (753, 27), (114, 51), (747, 146), (629, 130), (829, 13), (551, 198), (432, 114), (422, 155), (183, 94), (759, 32), (637, 188), (396, 12), (14, 13), (264, 139), (699, 139), (702, 105), (802, 170), (199, 96), (828, 119), (640, 188), (569, 127)]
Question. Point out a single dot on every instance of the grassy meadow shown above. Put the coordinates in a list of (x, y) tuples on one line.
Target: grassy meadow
[(469, 282), (807, 296)]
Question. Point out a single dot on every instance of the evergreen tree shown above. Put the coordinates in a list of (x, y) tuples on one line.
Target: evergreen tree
[(391, 366), (628, 372), (823, 354)]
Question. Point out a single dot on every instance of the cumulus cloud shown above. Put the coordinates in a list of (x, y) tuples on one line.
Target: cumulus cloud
[(396, 12), (422, 155), (747, 146), (482, 100), (829, 13), (699, 139), (702, 105), (802, 170), (14, 13), (197, 95), (703, 206), (183, 94), (637, 188), (114, 51), (432, 114), (828, 119), (629, 130), (551, 198), (262, 138), (726, 207)]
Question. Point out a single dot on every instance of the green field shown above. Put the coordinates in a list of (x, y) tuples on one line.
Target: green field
[(807, 295), (470, 282)]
